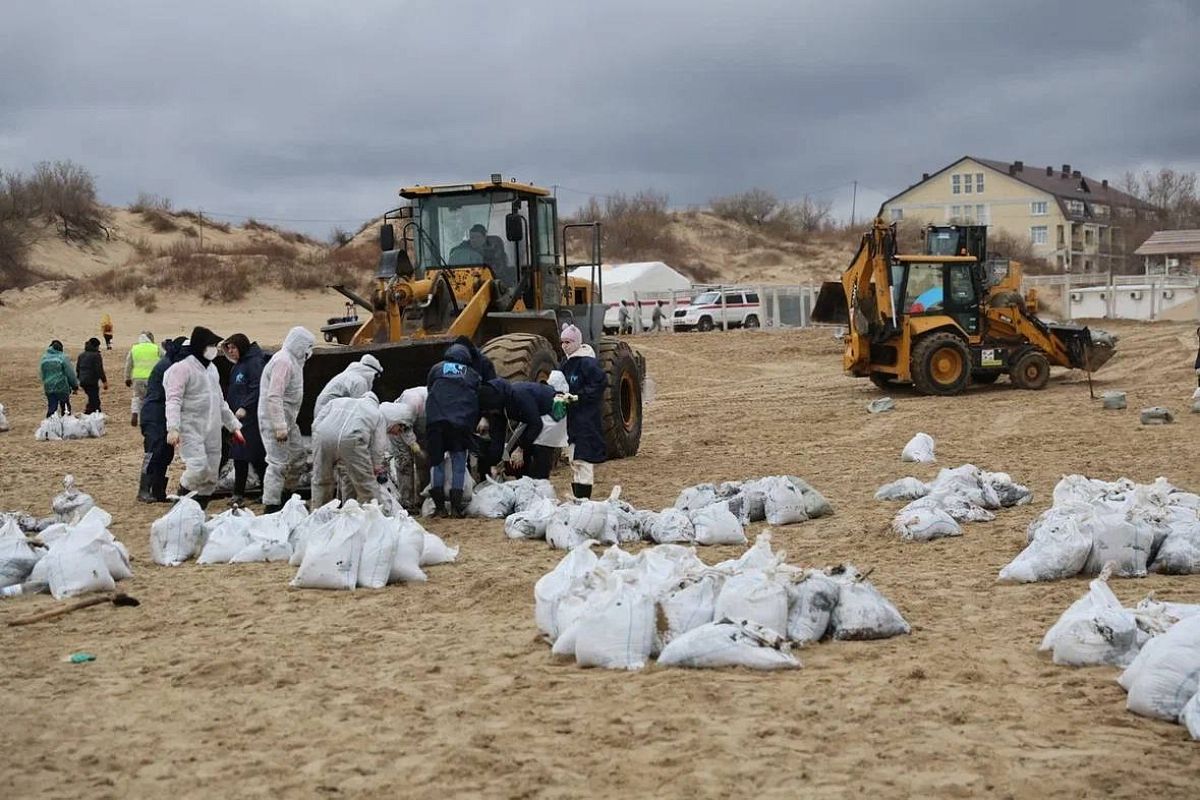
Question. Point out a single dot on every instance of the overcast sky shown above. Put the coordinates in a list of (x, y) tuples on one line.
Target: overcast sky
[(320, 111)]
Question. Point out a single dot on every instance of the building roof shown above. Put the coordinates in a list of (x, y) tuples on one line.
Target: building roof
[(1064, 183), (1170, 243)]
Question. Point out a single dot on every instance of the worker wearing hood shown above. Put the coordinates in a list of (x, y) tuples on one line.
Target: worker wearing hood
[(410, 462), (196, 411), (281, 391), (354, 381), (139, 363), (585, 418), (352, 433), (523, 404), (153, 421), (451, 414)]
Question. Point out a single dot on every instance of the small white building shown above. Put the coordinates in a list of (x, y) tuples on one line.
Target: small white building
[(1162, 299), (637, 283)]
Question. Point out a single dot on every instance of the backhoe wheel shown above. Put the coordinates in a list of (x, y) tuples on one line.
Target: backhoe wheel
[(622, 404), (521, 356), (985, 378), (1032, 371), (941, 364)]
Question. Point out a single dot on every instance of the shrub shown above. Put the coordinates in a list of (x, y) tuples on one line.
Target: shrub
[(251, 224), (151, 202), (338, 237), (634, 227), (190, 232), (159, 221), (146, 300), (65, 193), (753, 207)]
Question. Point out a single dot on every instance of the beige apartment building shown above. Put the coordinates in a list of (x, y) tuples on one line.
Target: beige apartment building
[(1072, 221)]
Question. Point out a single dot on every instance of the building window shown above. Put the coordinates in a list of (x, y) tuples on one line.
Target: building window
[(897, 214), (967, 185), (955, 213), (1037, 234), (978, 183), (1075, 207), (955, 186), (981, 214), (1062, 238), (1088, 236), (1038, 208), (1099, 210)]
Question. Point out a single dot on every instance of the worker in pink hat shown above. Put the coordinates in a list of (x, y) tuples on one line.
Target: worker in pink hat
[(585, 419)]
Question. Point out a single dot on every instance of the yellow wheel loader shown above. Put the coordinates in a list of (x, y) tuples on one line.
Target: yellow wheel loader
[(949, 317), (487, 261)]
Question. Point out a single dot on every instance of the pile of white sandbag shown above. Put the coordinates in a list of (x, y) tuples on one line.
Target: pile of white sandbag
[(79, 426), (618, 610), (1138, 527), (706, 514), (334, 547), (1157, 643), (67, 559), (964, 494)]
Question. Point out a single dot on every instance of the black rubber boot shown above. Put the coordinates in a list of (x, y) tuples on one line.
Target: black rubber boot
[(271, 509), (202, 500), (133, 420), (438, 496), (582, 491), (158, 488), (457, 507), (145, 490)]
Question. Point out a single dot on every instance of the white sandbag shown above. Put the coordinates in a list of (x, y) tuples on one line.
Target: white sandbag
[(753, 596), (620, 521), (903, 489), (575, 522), (618, 634), (436, 551), (225, 536), (410, 545), (1007, 491), (1179, 553), (880, 405), (716, 525), (919, 449), (729, 643), (293, 513), (759, 557), (691, 604), (76, 563), (381, 539), (815, 504), (1157, 415), (176, 536), (531, 521), (1058, 550), (73, 428), (553, 586), (672, 526), (696, 497), (784, 504), (71, 504), (17, 556), (331, 555), (1094, 630), (528, 490), (810, 606), (863, 613), (1118, 541), (924, 523), (491, 500), (1190, 716), (1114, 400), (299, 535), (269, 540), (1166, 673), (93, 424), (4, 426)]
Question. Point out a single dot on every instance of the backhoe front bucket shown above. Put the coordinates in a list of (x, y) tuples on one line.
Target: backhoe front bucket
[(831, 305), (405, 365), (1088, 349)]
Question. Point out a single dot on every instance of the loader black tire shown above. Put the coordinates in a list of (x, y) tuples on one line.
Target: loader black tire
[(941, 364), (622, 404), (521, 356), (1031, 371)]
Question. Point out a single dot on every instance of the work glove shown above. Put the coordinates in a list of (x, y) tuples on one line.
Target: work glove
[(281, 435), (128, 384), (517, 460), (238, 437), (173, 438), (240, 413), (105, 384)]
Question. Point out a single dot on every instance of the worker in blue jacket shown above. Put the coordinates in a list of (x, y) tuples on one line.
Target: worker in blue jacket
[(451, 414), (523, 403), (153, 422), (585, 417)]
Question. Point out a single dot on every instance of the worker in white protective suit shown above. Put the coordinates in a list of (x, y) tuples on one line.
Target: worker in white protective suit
[(354, 381), (352, 433), (196, 411), (409, 461), (281, 390)]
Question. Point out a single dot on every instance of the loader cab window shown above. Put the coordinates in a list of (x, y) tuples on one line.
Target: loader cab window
[(467, 230), (924, 292)]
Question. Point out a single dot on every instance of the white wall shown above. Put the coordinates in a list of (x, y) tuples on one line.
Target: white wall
[(1131, 302)]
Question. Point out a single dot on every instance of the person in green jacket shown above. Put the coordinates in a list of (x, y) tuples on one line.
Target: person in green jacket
[(58, 379)]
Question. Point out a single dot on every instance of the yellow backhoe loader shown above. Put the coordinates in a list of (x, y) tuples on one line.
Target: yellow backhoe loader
[(487, 261), (948, 317)]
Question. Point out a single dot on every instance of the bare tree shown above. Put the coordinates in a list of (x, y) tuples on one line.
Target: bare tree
[(1173, 193), (753, 207)]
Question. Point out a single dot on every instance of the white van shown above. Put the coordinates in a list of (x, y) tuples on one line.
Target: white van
[(742, 309)]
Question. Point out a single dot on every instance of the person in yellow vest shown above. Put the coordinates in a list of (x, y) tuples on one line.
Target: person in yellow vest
[(138, 366), (106, 329)]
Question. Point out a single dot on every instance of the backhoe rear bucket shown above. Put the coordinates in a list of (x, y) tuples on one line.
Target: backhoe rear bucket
[(405, 364), (831, 305)]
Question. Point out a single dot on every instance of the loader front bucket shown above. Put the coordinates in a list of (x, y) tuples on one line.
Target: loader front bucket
[(405, 365), (831, 305), (1087, 349)]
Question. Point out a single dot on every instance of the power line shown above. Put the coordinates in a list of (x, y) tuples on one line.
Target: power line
[(232, 215)]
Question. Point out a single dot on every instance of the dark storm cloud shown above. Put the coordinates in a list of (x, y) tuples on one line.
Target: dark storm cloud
[(308, 111)]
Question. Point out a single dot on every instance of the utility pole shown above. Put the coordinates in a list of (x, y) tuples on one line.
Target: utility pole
[(201, 227), (853, 203)]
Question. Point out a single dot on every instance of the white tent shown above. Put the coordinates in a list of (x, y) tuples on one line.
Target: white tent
[(643, 282)]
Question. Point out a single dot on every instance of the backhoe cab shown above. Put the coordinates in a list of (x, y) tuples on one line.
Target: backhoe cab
[(947, 318), (487, 261)]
